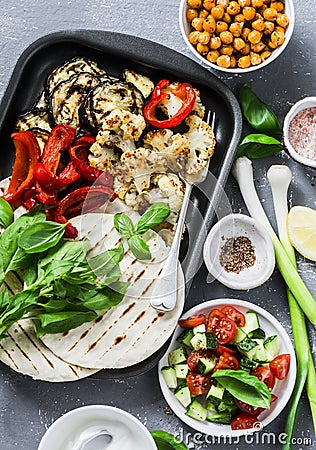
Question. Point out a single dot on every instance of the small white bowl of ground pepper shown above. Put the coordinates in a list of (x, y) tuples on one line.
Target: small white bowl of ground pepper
[(239, 253), (299, 131)]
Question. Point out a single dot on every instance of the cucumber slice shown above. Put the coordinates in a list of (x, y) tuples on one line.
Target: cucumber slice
[(206, 365), (261, 354), (196, 411), (215, 394), (257, 334), (199, 341), (211, 341), (223, 417), (240, 336), (183, 395), (271, 344), (248, 347), (178, 356), (199, 329), (210, 407), (182, 371), (252, 322), (247, 364), (185, 338), (170, 377)]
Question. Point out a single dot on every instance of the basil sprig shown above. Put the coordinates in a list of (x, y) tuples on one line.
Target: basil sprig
[(259, 116), (154, 215), (41, 237), (6, 213), (258, 146), (245, 387), (166, 441)]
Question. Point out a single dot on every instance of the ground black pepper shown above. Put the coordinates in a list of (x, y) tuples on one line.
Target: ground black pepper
[(237, 254)]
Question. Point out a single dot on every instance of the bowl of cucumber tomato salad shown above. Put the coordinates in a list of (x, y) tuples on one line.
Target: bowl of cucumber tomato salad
[(230, 368)]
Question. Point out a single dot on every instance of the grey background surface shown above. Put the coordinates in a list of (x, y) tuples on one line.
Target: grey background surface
[(27, 407)]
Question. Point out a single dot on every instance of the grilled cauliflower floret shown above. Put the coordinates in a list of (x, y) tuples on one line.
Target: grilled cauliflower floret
[(174, 147), (142, 83), (142, 163), (171, 105), (198, 108), (122, 179), (102, 154), (202, 143), (125, 123), (169, 189)]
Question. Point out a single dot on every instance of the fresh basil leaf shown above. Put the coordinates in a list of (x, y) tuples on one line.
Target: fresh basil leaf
[(60, 322), (139, 248), (154, 215), (259, 116), (41, 236), (258, 146), (107, 297), (124, 225), (166, 441), (105, 262), (6, 213), (245, 387)]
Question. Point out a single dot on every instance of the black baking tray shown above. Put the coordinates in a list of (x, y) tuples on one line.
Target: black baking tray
[(115, 51)]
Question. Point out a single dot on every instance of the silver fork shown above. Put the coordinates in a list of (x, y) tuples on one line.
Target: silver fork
[(164, 295)]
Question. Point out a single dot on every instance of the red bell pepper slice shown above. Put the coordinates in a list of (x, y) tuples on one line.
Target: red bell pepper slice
[(27, 154), (184, 91), (81, 201), (54, 182)]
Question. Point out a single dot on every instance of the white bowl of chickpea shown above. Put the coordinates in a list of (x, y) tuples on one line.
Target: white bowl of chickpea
[(236, 36)]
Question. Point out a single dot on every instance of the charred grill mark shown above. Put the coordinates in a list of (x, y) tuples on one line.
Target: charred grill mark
[(10, 357), (36, 346), (84, 334), (147, 288), (100, 240), (141, 273), (23, 352), (119, 339), (98, 319), (161, 314), (127, 310), (139, 317), (65, 333), (73, 370)]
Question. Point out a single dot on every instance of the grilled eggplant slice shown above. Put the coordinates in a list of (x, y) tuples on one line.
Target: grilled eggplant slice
[(34, 118), (74, 66), (68, 96), (109, 96), (41, 102), (141, 82)]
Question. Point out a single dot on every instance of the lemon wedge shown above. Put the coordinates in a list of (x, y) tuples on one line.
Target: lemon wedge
[(301, 228)]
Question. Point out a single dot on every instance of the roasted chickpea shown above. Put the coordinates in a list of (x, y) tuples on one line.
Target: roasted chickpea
[(255, 59), (212, 56), (246, 49), (236, 29), (223, 61), (233, 61), (257, 3), (227, 18), (244, 62), (226, 50), (203, 13), (278, 28), (278, 6), (209, 4), (268, 27), (239, 44), (194, 37), (262, 9), (258, 24), (197, 23), (277, 38), (215, 42), (244, 3), (270, 14), (194, 3), (217, 12), (249, 12), (264, 55), (240, 18), (221, 26), (192, 14), (203, 49), (233, 8), (204, 38), (209, 24), (223, 3), (226, 37), (254, 37), (282, 20), (272, 45), (245, 33), (257, 48)]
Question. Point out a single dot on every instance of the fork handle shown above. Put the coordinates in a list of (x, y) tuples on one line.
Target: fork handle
[(164, 295)]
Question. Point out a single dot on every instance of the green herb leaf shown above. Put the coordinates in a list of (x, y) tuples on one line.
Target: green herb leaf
[(260, 117), (6, 213), (246, 388), (258, 146), (139, 248), (166, 441), (60, 322), (124, 225), (41, 236), (154, 215)]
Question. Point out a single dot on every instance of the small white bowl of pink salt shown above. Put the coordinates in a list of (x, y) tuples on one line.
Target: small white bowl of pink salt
[(299, 131), (239, 253)]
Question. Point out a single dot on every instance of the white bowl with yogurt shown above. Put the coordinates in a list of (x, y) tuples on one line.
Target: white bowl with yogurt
[(299, 131), (97, 427)]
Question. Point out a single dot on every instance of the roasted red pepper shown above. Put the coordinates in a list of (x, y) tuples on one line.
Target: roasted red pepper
[(81, 201), (54, 182), (184, 91), (27, 154)]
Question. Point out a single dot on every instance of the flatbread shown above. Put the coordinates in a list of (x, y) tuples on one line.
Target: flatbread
[(131, 331)]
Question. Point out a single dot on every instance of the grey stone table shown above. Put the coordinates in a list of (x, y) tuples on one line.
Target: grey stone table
[(27, 407)]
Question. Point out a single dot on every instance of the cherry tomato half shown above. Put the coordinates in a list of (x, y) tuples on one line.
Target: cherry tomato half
[(222, 326), (248, 409), (195, 356), (280, 366), (221, 349), (265, 375), (243, 422), (192, 321), (235, 315), (198, 384), (227, 361)]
